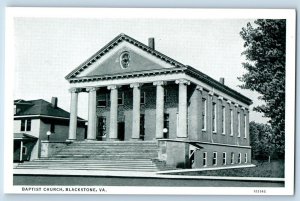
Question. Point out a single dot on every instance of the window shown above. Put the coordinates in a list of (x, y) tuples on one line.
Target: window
[(203, 105), (246, 158), (101, 126), (143, 97), (214, 117), (224, 158), (215, 154), (23, 122), (166, 125), (231, 123), (121, 98), (239, 124), (204, 158), (223, 119), (240, 158), (232, 158), (25, 125), (24, 150), (245, 126), (52, 128), (102, 101)]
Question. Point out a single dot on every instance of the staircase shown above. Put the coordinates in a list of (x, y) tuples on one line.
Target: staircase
[(106, 156)]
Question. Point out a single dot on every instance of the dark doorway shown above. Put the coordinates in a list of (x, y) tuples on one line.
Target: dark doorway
[(121, 131), (142, 127)]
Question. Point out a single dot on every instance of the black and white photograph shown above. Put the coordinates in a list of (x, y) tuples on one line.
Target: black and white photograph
[(149, 101)]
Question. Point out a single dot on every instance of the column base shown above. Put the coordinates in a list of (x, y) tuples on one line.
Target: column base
[(136, 139), (90, 140), (71, 140), (113, 139)]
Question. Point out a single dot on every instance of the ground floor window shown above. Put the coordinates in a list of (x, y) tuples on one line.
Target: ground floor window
[(240, 158), (224, 158), (204, 158), (232, 158), (215, 155)]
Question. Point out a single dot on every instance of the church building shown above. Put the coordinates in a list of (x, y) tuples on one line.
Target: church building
[(136, 93)]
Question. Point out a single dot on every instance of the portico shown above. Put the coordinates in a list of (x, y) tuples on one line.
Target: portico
[(135, 88)]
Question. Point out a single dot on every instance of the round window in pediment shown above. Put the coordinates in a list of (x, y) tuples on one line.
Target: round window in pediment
[(125, 59)]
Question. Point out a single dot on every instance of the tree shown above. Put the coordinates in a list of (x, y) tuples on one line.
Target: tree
[(261, 141), (265, 44)]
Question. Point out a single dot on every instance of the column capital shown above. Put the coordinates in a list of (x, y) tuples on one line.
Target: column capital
[(75, 90), (220, 98), (229, 101), (110, 87), (211, 93), (236, 105), (159, 83), (182, 81), (137, 85), (89, 89), (199, 88)]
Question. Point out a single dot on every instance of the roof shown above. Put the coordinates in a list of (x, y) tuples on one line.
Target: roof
[(42, 108), (24, 136), (177, 67), (121, 37)]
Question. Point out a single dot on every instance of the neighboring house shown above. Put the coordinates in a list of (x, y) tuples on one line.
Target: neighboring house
[(38, 120), (137, 93)]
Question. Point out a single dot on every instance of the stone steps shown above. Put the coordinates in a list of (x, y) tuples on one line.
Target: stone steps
[(106, 156)]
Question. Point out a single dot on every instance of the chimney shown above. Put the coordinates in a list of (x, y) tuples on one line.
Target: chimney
[(151, 43), (54, 102), (222, 80)]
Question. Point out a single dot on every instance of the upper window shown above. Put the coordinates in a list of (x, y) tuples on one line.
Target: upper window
[(245, 126), (203, 105), (239, 124), (125, 60), (102, 100), (121, 98), (214, 117), (25, 125), (223, 119), (143, 97), (231, 123)]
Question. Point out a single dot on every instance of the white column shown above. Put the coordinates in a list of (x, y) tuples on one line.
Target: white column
[(136, 111), (159, 119), (91, 135), (73, 114), (182, 108), (113, 122)]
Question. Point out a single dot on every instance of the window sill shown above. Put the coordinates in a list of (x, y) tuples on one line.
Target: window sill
[(101, 106)]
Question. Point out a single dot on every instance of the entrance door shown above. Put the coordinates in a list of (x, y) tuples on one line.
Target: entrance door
[(121, 131)]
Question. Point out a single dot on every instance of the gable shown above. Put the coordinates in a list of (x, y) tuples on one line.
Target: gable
[(107, 60)]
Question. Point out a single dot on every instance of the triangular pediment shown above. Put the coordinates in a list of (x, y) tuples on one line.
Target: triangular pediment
[(123, 55)]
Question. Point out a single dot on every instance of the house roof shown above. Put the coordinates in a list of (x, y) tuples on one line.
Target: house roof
[(24, 136), (177, 67), (42, 108)]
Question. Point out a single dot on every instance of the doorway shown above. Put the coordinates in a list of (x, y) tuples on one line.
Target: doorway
[(121, 131)]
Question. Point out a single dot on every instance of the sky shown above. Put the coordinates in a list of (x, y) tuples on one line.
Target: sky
[(47, 49)]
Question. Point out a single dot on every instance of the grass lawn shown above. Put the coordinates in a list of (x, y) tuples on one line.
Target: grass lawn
[(273, 169)]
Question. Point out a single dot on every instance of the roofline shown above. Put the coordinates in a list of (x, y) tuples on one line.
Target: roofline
[(46, 116), (121, 37), (207, 79)]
